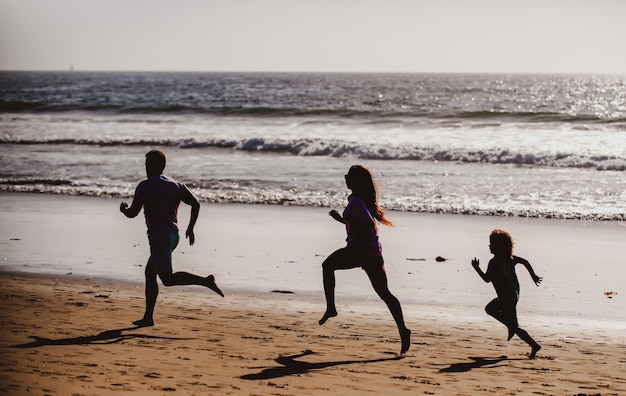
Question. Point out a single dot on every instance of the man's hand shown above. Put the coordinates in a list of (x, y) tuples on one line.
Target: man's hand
[(475, 262), (189, 234), (123, 207)]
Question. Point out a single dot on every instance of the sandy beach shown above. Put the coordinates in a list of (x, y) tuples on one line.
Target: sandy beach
[(71, 336), (71, 285)]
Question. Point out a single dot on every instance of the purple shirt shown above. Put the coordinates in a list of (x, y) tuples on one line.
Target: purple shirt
[(356, 216), (160, 197)]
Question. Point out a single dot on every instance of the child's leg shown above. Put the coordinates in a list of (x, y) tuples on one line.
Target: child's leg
[(494, 308), (502, 312), (507, 314), (523, 334)]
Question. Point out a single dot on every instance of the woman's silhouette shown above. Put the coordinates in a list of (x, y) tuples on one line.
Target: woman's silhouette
[(363, 249)]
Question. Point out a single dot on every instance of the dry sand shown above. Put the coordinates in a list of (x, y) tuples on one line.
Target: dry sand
[(71, 336)]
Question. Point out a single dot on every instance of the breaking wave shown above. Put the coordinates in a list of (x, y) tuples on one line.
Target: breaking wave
[(337, 148)]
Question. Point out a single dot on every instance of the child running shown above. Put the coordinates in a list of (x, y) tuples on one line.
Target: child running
[(363, 248), (501, 272)]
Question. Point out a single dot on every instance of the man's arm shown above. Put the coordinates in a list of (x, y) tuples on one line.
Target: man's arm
[(131, 211), (529, 268), (476, 265), (136, 205), (192, 201)]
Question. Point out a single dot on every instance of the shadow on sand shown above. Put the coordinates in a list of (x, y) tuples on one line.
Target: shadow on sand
[(477, 362), (291, 366), (105, 337)]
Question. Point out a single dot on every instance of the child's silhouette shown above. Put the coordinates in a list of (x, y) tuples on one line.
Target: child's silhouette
[(363, 248), (501, 273)]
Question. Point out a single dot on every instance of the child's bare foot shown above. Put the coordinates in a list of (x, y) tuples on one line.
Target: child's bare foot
[(327, 315), (210, 283), (405, 336), (511, 333), (534, 351), (143, 322)]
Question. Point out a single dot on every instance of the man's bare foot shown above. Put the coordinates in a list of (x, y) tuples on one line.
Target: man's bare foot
[(405, 336), (210, 283), (534, 351), (327, 315), (143, 322)]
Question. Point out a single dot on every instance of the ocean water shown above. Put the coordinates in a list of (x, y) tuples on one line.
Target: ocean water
[(547, 146)]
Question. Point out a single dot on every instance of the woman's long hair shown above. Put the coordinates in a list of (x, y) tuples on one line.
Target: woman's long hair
[(362, 184)]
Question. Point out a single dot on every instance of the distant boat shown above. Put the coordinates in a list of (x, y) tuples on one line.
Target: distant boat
[(71, 68)]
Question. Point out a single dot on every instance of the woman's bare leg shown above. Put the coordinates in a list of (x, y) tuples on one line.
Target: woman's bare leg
[(378, 277), (340, 259)]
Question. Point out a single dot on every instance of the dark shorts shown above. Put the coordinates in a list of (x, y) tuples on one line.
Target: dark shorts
[(162, 245), (346, 258)]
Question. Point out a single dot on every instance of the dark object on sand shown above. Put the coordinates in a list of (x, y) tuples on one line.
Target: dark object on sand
[(440, 259)]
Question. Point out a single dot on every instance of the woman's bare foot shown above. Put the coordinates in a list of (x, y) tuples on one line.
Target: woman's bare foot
[(534, 351), (327, 315), (210, 283), (143, 322), (405, 336)]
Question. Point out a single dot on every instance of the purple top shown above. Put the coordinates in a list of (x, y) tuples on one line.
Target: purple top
[(160, 196), (356, 216)]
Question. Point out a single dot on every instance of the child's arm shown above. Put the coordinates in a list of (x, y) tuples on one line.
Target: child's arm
[(475, 264), (335, 215), (525, 263)]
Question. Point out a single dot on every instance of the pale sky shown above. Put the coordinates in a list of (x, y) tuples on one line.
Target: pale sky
[(441, 36)]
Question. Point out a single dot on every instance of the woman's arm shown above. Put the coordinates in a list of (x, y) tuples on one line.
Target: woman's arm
[(335, 215)]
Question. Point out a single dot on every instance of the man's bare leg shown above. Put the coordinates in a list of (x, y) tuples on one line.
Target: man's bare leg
[(152, 292), (185, 278)]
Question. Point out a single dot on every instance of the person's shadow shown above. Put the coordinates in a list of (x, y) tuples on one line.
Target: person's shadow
[(105, 337), (291, 366), (477, 362)]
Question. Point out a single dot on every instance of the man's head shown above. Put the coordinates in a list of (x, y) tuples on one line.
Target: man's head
[(155, 162)]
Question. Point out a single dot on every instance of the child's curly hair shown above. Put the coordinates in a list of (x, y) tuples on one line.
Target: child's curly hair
[(501, 243)]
